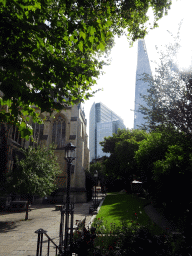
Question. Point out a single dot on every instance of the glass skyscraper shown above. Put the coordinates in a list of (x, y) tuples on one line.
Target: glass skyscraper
[(143, 66), (103, 122)]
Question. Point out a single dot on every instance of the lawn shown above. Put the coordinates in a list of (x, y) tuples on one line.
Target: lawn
[(119, 208), (123, 228)]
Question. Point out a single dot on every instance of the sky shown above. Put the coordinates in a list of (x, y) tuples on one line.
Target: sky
[(118, 82)]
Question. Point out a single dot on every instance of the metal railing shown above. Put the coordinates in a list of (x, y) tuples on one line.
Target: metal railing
[(59, 249), (66, 246), (40, 233), (68, 222)]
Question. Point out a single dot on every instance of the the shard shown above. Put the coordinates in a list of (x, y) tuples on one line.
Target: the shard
[(143, 66)]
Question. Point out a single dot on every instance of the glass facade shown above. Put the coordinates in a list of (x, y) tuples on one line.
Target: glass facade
[(143, 66), (92, 133), (103, 122)]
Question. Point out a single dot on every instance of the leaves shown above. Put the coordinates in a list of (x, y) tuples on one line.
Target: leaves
[(36, 173), (164, 158), (80, 46), (122, 146), (42, 44), (82, 34)]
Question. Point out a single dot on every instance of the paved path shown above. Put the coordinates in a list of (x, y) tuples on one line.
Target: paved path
[(160, 220), (18, 237)]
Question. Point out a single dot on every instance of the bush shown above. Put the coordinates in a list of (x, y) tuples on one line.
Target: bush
[(138, 241)]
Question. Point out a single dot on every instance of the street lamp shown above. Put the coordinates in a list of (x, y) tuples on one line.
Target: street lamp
[(69, 152), (95, 175)]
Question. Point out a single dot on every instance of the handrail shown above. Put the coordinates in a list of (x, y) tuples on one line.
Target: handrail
[(40, 233), (52, 241)]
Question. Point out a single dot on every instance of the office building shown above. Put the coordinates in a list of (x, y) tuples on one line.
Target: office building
[(103, 122), (143, 66)]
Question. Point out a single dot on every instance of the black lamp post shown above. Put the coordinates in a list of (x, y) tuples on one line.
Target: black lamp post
[(95, 175), (69, 151)]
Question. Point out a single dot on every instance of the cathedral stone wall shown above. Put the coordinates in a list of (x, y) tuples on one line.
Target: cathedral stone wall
[(69, 125), (75, 132)]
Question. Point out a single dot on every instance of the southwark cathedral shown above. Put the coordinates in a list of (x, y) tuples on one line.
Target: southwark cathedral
[(69, 125)]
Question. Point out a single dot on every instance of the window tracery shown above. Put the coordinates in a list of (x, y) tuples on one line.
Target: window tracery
[(58, 131), (14, 134), (37, 132)]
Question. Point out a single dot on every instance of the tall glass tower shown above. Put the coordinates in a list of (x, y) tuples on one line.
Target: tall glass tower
[(103, 122), (143, 66)]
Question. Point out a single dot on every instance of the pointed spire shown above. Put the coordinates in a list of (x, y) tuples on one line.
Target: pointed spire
[(143, 66)]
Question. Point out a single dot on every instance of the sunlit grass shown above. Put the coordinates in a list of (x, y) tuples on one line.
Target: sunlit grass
[(119, 209)]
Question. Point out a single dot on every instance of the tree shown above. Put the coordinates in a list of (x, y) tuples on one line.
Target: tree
[(50, 50), (180, 113), (121, 164), (175, 169), (169, 95), (165, 159), (3, 158), (35, 174), (96, 166)]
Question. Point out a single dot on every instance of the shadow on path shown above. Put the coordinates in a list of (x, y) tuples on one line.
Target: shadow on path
[(6, 226)]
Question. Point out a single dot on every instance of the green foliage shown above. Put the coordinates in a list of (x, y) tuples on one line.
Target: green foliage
[(164, 158), (174, 158), (50, 50), (138, 240), (154, 147), (121, 164), (36, 173), (95, 167), (102, 177)]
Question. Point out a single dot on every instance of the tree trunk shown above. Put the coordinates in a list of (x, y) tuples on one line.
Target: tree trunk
[(27, 208)]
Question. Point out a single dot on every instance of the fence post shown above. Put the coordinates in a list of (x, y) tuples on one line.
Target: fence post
[(71, 232), (40, 233), (61, 228)]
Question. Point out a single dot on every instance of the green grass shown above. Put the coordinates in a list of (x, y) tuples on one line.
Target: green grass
[(128, 208)]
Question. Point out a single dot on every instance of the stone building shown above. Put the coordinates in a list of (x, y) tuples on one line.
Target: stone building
[(69, 125)]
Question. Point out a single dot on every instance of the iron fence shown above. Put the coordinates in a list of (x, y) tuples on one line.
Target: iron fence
[(61, 248), (40, 233)]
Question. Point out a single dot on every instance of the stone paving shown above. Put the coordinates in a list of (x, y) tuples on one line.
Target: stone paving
[(160, 220), (18, 237)]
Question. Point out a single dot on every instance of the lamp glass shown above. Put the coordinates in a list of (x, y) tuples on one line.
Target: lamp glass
[(71, 153), (70, 150)]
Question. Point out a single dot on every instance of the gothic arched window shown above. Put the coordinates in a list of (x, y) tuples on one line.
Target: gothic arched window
[(37, 132), (58, 132), (14, 134)]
